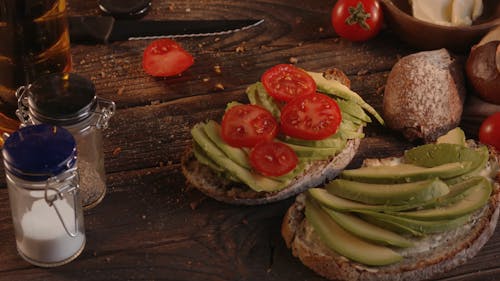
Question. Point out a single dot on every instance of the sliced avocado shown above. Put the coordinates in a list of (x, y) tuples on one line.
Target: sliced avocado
[(405, 173), (353, 109), (390, 225), (238, 155), (254, 181), (205, 160), (455, 136), (334, 87), (308, 151), (388, 194), (352, 119), (435, 154), (347, 125), (231, 104), (346, 244), (368, 231), (257, 94), (331, 142), (484, 154), (476, 197), (420, 226), (457, 192), (341, 204)]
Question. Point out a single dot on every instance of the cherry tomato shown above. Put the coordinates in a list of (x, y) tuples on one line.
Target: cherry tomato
[(311, 117), (273, 158), (357, 20), (165, 57), (285, 81), (248, 124), (489, 132)]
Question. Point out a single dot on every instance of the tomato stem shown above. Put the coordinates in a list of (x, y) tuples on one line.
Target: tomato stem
[(358, 15)]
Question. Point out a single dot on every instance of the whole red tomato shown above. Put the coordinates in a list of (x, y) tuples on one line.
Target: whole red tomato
[(357, 20), (489, 132)]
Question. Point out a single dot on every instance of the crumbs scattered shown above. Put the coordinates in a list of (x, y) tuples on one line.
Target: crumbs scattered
[(171, 7), (362, 72), (188, 10), (117, 151), (217, 69), (218, 87), (155, 102), (321, 29), (120, 90), (240, 49), (293, 60), (206, 79)]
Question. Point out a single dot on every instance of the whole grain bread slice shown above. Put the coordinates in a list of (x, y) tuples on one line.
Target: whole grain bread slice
[(315, 173), (431, 256)]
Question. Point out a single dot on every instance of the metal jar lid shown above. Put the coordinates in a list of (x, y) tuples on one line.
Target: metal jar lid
[(60, 99), (36, 153)]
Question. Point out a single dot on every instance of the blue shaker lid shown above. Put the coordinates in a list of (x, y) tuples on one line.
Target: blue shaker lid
[(35, 153)]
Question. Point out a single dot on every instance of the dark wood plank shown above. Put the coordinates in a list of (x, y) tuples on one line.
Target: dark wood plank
[(151, 226)]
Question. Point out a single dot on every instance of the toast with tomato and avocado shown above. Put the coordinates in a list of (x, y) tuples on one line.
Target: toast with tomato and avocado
[(408, 218), (298, 130)]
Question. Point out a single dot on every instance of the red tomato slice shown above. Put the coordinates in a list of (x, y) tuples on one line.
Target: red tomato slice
[(248, 124), (164, 57), (273, 158), (311, 117), (489, 132), (285, 81)]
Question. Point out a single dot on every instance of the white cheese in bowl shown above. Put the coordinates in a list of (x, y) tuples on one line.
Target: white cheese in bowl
[(447, 12)]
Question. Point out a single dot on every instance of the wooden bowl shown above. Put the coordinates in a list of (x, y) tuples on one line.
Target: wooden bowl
[(428, 36)]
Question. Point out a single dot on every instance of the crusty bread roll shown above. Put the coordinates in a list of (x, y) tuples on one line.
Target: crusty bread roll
[(424, 95), (316, 173), (420, 263)]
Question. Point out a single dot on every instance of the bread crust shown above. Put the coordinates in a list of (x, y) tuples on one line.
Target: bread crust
[(211, 184), (455, 250)]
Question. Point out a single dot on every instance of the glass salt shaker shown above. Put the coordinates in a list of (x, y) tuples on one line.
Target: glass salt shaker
[(70, 101), (42, 180)]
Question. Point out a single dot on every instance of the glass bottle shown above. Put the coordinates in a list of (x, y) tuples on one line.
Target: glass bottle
[(42, 179), (70, 101), (35, 41)]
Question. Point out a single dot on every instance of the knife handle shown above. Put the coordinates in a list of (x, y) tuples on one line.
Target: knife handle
[(90, 29)]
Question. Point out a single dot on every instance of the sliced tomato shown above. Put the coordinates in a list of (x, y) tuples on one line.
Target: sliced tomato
[(273, 158), (285, 82), (165, 57), (248, 124), (489, 132), (311, 117)]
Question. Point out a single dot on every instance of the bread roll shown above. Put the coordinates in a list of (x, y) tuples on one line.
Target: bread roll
[(424, 95)]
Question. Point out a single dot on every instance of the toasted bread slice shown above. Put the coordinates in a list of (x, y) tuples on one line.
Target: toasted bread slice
[(315, 173), (432, 255)]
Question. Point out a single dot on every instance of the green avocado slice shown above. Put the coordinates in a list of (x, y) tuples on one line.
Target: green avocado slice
[(405, 173), (353, 109), (388, 194), (476, 197), (254, 181), (419, 226), (346, 244), (336, 88), (238, 155), (368, 231), (341, 204), (435, 154)]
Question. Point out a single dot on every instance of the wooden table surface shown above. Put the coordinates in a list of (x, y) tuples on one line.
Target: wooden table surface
[(151, 226)]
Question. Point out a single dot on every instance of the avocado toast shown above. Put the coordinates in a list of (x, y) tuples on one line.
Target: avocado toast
[(416, 218), (223, 172)]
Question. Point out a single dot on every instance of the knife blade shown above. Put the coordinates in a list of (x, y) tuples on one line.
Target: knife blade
[(106, 29)]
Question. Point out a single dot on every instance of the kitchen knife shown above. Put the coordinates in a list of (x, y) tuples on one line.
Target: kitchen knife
[(106, 29)]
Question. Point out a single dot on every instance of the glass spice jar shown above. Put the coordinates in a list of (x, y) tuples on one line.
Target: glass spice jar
[(70, 101), (42, 180)]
